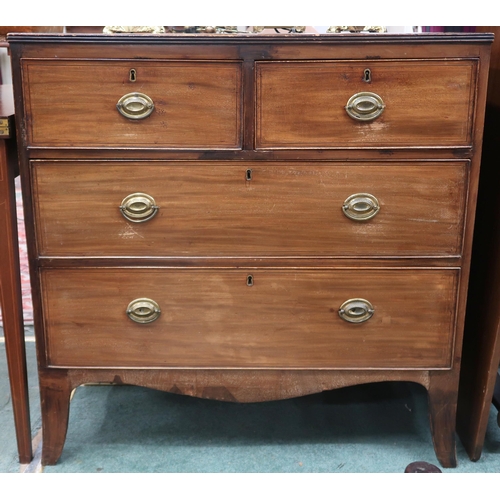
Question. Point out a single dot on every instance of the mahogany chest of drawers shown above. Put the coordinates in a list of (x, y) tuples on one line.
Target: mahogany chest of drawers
[(249, 217)]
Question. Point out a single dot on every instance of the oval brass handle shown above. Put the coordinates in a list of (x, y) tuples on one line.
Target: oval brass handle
[(138, 207), (356, 311), (143, 310), (361, 206), (365, 106), (135, 106)]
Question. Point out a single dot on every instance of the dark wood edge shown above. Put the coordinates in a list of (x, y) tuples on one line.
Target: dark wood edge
[(252, 38), (295, 263), (340, 155)]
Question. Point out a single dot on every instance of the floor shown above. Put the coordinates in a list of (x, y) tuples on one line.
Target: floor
[(366, 429)]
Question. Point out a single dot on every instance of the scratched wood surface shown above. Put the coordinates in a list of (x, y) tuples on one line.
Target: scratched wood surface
[(72, 103), (287, 208), (287, 319), (426, 103)]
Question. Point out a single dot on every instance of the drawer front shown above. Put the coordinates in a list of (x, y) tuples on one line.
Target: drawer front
[(74, 104), (213, 318), (250, 209), (423, 103)]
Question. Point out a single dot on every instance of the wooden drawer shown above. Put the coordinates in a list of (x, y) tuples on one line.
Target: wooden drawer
[(212, 318), (73, 103), (286, 209), (427, 103)]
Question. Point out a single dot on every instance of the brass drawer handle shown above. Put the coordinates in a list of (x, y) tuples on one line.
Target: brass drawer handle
[(356, 311), (138, 207), (143, 310), (361, 206), (365, 106), (135, 106)]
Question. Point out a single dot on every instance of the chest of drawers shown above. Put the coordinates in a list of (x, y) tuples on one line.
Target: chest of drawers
[(249, 217)]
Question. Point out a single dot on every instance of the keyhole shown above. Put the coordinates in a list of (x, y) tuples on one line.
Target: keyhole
[(248, 175), (133, 75), (367, 77), (249, 280)]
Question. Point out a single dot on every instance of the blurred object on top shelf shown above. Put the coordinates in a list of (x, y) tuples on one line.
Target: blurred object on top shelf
[(357, 29), (448, 29), (279, 29), (202, 29), (30, 29), (84, 29), (133, 29)]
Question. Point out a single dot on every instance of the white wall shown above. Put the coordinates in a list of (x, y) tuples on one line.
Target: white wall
[(5, 66), (402, 29)]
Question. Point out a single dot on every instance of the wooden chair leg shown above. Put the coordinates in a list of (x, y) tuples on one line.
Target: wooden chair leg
[(442, 413), (55, 392)]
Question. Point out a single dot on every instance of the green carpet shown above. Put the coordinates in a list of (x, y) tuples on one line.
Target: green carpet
[(377, 428), (372, 428)]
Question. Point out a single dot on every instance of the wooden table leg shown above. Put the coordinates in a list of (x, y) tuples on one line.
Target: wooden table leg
[(55, 394), (11, 303), (442, 397), (481, 348)]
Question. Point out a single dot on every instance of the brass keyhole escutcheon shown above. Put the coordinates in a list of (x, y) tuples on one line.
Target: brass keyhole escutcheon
[(250, 280), (367, 75), (356, 310), (143, 310), (132, 75)]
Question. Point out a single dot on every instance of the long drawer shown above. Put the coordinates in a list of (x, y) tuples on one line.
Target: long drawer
[(249, 318), (249, 208), (394, 103), (73, 103)]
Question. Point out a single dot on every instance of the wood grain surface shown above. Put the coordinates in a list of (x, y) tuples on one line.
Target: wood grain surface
[(286, 209), (287, 319), (73, 103), (301, 104)]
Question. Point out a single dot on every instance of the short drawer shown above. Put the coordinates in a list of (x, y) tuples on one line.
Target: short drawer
[(174, 104), (214, 318), (249, 208), (421, 103)]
